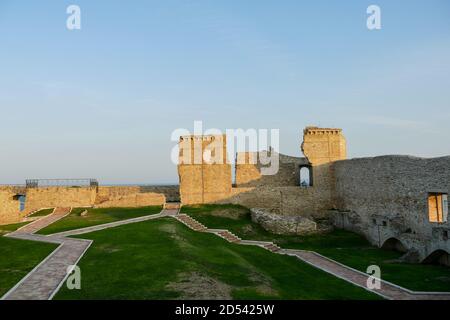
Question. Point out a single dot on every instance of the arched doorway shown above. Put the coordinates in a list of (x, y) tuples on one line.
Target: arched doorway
[(305, 176), (394, 244), (438, 257)]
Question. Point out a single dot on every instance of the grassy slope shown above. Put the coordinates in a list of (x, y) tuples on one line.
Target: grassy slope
[(11, 227), (41, 213), (343, 246), (18, 257), (138, 261), (97, 216)]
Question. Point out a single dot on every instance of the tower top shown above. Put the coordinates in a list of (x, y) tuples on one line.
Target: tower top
[(323, 145)]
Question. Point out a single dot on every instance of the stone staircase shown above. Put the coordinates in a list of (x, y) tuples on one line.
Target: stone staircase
[(224, 234), (229, 236), (191, 222), (172, 205), (272, 247), (61, 211)]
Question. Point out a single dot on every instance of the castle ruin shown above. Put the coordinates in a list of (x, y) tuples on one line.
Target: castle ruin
[(398, 202)]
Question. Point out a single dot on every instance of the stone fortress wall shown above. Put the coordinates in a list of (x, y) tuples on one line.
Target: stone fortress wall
[(200, 181), (9, 204), (280, 193), (384, 198), (102, 196)]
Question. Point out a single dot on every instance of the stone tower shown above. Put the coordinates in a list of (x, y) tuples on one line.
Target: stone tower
[(203, 169), (323, 145)]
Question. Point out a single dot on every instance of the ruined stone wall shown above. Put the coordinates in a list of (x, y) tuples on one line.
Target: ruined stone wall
[(9, 205), (387, 196), (170, 192), (128, 196), (51, 197), (248, 171), (282, 192), (290, 200)]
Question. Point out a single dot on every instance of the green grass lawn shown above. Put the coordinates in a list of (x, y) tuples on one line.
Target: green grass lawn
[(346, 247), (163, 259), (41, 213), (11, 227), (18, 257), (76, 220)]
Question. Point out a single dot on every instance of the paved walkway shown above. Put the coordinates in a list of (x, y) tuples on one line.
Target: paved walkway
[(358, 278), (41, 223), (387, 289), (45, 280)]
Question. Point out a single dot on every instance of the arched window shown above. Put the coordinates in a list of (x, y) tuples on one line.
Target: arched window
[(305, 176)]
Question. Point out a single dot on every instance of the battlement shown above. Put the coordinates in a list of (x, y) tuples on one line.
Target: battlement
[(208, 149), (204, 138), (323, 145), (317, 130)]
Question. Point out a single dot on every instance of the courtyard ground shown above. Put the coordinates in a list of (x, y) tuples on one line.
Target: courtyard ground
[(41, 213), (18, 257), (86, 217), (343, 246), (163, 259)]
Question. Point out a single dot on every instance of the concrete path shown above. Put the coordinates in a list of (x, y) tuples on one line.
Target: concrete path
[(44, 281)]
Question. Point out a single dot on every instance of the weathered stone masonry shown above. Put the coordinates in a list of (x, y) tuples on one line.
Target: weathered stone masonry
[(98, 196), (384, 198)]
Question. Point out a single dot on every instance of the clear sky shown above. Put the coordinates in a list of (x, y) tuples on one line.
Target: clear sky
[(102, 101)]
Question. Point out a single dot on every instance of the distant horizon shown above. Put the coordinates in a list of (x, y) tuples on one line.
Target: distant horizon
[(107, 184), (104, 100)]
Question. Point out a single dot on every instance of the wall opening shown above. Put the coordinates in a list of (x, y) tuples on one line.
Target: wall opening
[(394, 244), (306, 176), (438, 257), (437, 207), (21, 200)]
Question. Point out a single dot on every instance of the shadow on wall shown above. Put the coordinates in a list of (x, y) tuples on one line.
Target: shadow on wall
[(438, 257), (394, 244)]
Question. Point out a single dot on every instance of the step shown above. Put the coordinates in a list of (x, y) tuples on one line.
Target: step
[(229, 236), (172, 205), (272, 247)]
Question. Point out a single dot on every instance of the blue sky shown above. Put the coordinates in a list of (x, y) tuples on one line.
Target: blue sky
[(102, 101)]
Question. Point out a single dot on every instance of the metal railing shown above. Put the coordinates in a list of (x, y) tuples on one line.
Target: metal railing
[(42, 183)]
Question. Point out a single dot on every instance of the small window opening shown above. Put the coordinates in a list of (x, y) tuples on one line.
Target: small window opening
[(437, 207), (306, 176), (384, 223), (445, 235)]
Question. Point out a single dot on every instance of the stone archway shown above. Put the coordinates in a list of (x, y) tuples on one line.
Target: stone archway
[(438, 257), (394, 244)]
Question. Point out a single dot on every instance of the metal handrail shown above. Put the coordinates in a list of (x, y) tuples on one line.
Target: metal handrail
[(36, 183)]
